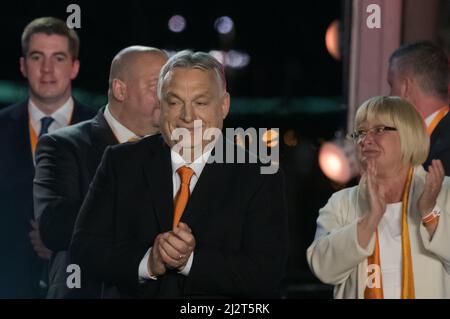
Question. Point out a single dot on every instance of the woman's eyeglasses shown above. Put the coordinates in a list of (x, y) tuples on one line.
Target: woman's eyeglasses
[(360, 134)]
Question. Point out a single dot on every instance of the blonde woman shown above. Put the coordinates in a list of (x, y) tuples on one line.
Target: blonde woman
[(388, 237)]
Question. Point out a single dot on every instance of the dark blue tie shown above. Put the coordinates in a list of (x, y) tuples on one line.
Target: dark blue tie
[(45, 123)]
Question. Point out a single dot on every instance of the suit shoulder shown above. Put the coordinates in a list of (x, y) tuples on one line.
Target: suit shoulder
[(255, 168), (133, 149), (84, 111), (73, 131), (7, 111), (76, 134)]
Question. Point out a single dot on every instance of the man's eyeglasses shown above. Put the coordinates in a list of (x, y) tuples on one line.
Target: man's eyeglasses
[(359, 135)]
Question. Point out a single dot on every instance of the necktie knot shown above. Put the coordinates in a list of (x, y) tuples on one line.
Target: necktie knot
[(185, 174), (46, 121)]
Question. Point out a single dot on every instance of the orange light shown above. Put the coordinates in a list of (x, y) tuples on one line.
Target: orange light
[(270, 137), (332, 40), (337, 163), (290, 139)]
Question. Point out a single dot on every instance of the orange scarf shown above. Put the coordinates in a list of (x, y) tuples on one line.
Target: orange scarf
[(408, 292)]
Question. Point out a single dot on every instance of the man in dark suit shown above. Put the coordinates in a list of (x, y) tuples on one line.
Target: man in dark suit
[(50, 63), (419, 73), (66, 160), (161, 221)]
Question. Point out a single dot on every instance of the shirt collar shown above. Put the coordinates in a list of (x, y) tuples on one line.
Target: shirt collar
[(197, 165), (61, 116), (120, 132), (431, 117)]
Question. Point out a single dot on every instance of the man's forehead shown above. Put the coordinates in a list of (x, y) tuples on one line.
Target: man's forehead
[(53, 42), (190, 76)]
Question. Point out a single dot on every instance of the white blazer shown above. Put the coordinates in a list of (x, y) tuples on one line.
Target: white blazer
[(336, 258)]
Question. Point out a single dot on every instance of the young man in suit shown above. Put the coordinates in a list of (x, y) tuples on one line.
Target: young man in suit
[(163, 222), (66, 160), (50, 63), (419, 73)]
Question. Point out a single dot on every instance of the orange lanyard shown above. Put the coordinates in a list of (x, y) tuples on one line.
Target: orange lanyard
[(442, 112), (33, 137)]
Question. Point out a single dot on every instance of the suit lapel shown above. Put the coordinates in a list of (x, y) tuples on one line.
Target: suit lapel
[(207, 192), (80, 113), (158, 172), (76, 116), (439, 134), (21, 133), (101, 137)]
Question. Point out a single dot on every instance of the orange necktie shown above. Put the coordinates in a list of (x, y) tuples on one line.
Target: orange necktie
[(182, 196)]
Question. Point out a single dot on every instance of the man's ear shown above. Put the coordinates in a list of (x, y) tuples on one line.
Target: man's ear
[(119, 90), (75, 69), (23, 67), (406, 87), (225, 105)]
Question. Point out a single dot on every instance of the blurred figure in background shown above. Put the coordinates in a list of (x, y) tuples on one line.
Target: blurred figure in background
[(49, 62), (419, 73), (66, 160)]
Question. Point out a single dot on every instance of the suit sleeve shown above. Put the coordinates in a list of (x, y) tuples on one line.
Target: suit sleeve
[(259, 266), (95, 245), (335, 252), (56, 192)]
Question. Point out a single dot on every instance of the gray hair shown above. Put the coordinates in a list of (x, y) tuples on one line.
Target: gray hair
[(428, 63), (192, 60)]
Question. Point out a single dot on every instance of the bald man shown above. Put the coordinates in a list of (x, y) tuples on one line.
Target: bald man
[(66, 161)]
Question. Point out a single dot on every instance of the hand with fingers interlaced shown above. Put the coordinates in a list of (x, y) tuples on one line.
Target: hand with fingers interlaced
[(155, 263), (176, 246)]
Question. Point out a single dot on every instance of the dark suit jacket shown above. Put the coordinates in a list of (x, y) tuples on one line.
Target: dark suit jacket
[(237, 215), (20, 267), (440, 144), (66, 161)]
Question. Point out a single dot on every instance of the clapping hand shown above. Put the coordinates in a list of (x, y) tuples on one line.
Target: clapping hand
[(433, 185), (376, 193)]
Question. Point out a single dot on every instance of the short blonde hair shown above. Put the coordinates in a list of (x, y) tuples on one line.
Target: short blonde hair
[(399, 113)]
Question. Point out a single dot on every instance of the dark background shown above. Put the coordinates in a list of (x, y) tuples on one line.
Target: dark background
[(284, 39), (289, 68)]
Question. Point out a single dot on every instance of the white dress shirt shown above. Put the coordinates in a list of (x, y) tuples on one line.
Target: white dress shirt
[(121, 133), (390, 241), (177, 162), (61, 116)]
